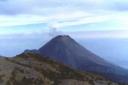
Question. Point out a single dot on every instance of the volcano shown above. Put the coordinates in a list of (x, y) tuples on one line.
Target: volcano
[(67, 51)]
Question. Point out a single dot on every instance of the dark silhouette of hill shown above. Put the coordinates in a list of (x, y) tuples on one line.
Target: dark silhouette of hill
[(65, 50)]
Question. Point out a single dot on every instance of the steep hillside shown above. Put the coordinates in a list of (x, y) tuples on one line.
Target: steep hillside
[(32, 69), (66, 50)]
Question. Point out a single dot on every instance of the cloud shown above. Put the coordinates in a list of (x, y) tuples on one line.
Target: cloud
[(7, 21), (63, 21), (85, 20), (68, 13), (118, 34), (12, 7)]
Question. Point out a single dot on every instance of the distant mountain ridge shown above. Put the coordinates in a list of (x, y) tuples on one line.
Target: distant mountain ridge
[(46, 66), (67, 51)]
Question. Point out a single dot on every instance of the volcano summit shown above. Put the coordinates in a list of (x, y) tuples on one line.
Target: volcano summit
[(66, 50)]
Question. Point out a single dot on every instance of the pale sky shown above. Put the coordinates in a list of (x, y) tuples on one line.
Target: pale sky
[(19, 16)]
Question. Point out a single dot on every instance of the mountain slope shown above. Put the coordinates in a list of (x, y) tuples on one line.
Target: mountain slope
[(32, 69), (67, 51)]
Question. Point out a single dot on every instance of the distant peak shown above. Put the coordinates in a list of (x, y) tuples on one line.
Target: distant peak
[(63, 38)]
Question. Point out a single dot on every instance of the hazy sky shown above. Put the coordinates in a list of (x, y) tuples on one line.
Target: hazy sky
[(28, 24), (67, 15)]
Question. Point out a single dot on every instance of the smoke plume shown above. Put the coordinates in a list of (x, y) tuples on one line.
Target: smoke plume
[(54, 30)]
